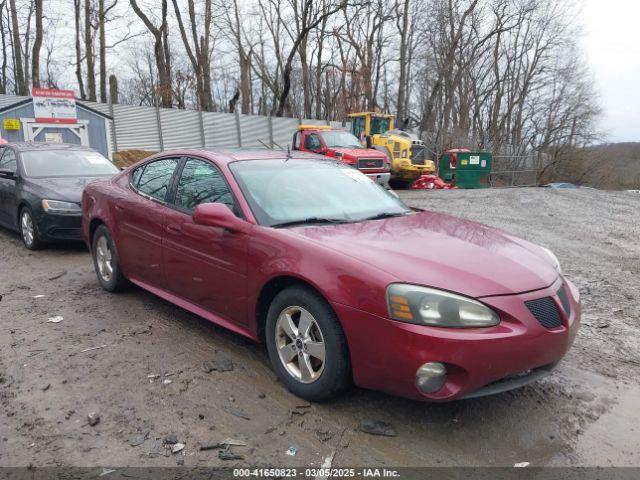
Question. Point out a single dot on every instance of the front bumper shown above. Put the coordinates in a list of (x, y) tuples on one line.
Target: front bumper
[(411, 172), (385, 354), (55, 228), (380, 178)]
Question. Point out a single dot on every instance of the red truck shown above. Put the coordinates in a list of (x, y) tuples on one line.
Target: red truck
[(342, 145)]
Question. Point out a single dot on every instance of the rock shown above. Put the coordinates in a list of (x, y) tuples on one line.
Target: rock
[(237, 413), (93, 418), (378, 427), (178, 447), (180, 462), (171, 439), (46, 387), (137, 439), (220, 365), (262, 395), (292, 451), (228, 454)]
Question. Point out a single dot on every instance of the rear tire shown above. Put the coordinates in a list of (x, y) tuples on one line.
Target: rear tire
[(307, 346), (29, 230), (106, 261)]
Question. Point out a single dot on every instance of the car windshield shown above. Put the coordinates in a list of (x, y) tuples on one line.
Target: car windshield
[(66, 163), (338, 139), (288, 192)]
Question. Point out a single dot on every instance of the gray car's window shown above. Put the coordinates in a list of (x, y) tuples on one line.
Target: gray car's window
[(156, 177), (200, 182), (8, 160)]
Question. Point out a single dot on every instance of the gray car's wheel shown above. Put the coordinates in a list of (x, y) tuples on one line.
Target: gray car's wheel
[(106, 262), (306, 344), (29, 230)]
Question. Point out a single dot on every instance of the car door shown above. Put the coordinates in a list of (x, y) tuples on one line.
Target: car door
[(140, 218), (9, 188), (205, 265)]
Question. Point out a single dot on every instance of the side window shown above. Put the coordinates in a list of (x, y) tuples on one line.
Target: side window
[(8, 160), (296, 140), (312, 142), (201, 182), (135, 176), (357, 127), (154, 180)]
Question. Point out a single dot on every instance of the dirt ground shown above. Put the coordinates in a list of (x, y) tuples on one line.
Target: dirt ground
[(585, 414)]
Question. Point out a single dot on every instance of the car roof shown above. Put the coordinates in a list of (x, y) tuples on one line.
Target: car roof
[(28, 146), (232, 155)]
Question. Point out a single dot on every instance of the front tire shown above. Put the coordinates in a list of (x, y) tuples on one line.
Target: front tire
[(29, 230), (306, 344), (106, 262)]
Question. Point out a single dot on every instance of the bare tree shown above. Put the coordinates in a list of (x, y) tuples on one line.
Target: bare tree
[(161, 50)]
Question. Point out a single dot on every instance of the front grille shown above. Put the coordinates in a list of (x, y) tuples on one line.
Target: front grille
[(418, 154), (564, 300), (367, 163), (546, 312)]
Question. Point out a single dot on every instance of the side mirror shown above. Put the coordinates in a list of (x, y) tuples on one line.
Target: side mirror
[(8, 174), (219, 215)]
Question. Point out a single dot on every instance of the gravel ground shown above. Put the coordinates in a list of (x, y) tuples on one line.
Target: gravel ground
[(146, 382)]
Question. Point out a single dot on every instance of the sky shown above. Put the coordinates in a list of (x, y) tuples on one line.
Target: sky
[(612, 44)]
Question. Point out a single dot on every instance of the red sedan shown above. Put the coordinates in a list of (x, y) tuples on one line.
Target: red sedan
[(341, 280)]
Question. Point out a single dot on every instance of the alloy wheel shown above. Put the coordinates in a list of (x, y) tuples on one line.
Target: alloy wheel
[(26, 227), (300, 344), (104, 259)]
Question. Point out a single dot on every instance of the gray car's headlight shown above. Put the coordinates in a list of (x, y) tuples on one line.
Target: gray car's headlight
[(437, 308), (554, 259), (61, 208)]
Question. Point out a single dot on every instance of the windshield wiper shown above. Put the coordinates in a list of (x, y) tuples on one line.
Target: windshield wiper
[(380, 216), (310, 220)]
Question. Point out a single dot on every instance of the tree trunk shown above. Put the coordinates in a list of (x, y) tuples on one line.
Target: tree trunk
[(402, 80), (77, 11), (88, 48), (113, 89), (102, 51), (20, 80), (37, 44)]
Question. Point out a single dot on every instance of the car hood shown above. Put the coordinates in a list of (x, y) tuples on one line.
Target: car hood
[(441, 251), (67, 189), (358, 152)]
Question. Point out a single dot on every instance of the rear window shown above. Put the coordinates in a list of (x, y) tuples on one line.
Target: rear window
[(66, 163)]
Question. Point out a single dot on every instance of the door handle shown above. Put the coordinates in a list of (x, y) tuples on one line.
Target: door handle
[(119, 207)]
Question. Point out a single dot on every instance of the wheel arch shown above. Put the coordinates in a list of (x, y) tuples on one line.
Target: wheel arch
[(93, 226), (269, 291)]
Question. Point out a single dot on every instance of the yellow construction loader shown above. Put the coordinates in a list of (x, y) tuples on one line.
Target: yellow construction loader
[(406, 152)]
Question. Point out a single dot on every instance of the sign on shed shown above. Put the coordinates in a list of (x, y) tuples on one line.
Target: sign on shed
[(54, 106), (11, 124)]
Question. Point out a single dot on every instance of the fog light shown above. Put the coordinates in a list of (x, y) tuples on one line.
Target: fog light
[(431, 376)]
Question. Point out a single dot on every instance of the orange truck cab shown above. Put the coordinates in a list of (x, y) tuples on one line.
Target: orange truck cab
[(344, 146)]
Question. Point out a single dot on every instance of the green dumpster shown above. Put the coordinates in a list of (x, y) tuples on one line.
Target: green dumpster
[(465, 169)]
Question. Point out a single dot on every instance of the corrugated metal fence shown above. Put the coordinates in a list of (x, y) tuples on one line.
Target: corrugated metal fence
[(155, 129)]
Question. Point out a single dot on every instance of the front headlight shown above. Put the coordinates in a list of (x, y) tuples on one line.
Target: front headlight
[(554, 259), (437, 308), (61, 208)]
